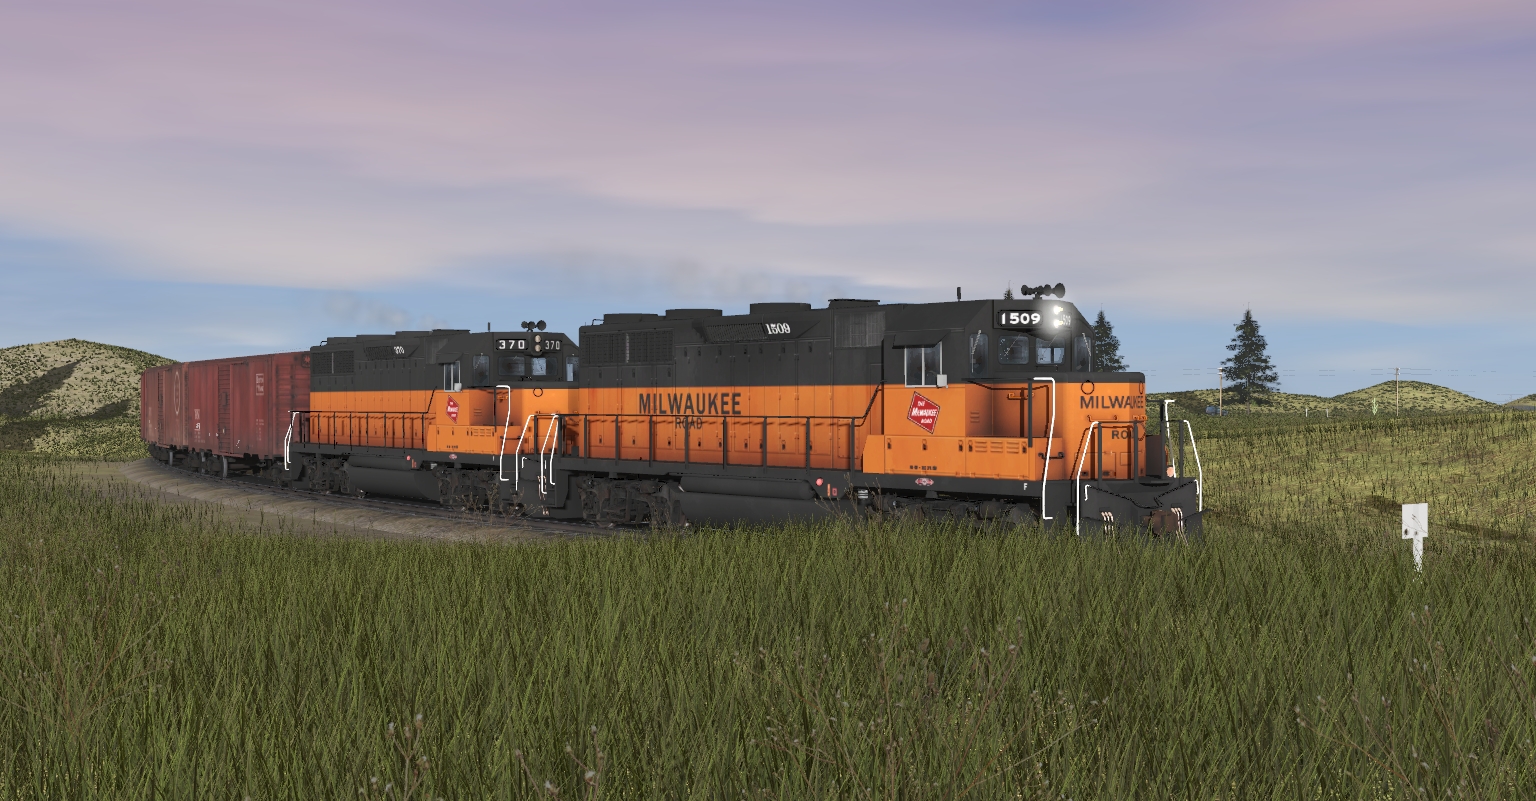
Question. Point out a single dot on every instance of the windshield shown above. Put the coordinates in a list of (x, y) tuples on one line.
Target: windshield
[(1013, 349)]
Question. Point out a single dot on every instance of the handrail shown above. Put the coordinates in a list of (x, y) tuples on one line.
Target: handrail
[(1079, 497), (288, 439), (869, 407), (517, 461), (501, 456), (343, 428), (691, 422), (1200, 471), (551, 441), (1050, 435)]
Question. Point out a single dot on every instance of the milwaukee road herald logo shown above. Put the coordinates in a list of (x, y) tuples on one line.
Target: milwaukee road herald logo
[(924, 412)]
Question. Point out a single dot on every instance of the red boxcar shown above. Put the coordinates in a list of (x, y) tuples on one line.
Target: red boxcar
[(237, 408)]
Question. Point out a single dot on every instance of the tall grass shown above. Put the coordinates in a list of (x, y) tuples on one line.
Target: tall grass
[(165, 651)]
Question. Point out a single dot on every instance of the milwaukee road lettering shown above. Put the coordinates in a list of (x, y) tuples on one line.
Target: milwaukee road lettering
[(690, 403), (1113, 402)]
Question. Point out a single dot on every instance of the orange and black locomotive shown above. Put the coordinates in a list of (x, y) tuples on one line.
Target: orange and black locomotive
[(985, 409)]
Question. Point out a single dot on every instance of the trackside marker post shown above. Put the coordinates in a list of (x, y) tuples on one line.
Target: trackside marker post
[(1416, 528)]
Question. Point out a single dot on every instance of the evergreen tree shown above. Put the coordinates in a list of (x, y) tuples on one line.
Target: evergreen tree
[(1106, 347), (1008, 293), (1248, 369)]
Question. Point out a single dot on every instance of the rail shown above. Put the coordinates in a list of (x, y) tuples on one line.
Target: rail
[(517, 459), (591, 429), (1199, 470), (501, 473), (547, 447), (1179, 463), (288, 441), (355, 429), (1050, 437)]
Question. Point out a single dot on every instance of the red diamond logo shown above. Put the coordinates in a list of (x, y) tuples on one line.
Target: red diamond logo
[(453, 410), (924, 412)]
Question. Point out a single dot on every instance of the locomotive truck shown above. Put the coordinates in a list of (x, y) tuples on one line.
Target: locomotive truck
[(980, 410)]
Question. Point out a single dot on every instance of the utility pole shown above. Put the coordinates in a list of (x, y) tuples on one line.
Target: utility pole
[(1220, 389), (1397, 381)]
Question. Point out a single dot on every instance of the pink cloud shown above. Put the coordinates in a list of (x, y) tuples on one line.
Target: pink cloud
[(321, 143)]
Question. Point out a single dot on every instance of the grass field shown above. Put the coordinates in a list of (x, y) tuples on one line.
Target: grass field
[(160, 651)]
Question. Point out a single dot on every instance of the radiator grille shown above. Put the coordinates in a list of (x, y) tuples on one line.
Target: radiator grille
[(632, 347), (739, 332), (863, 329)]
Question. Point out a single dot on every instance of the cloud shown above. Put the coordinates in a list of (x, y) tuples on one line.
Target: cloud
[(350, 307), (1323, 159)]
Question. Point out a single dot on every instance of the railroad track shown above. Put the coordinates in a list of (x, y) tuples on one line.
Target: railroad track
[(393, 506)]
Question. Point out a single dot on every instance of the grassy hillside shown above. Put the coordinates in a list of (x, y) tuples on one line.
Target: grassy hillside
[(1417, 398), (1528, 400), (72, 398)]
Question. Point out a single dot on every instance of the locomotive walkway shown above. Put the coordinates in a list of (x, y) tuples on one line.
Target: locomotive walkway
[(344, 515)]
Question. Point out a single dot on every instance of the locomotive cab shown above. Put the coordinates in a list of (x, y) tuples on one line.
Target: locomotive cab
[(405, 414), (997, 398)]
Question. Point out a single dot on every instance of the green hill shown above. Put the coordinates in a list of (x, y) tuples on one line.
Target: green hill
[(1417, 397), (72, 398), (1528, 400)]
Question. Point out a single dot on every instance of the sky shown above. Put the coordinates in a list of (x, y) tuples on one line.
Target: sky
[(217, 178)]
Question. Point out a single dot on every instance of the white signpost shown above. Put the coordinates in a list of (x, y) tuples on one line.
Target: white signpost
[(1416, 528)]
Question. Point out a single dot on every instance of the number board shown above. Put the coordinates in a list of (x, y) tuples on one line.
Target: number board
[(1019, 318)]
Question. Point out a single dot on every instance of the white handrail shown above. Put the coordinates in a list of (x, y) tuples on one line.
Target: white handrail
[(554, 423), (1079, 497), (1200, 471), (1045, 475), (506, 424), (288, 439), (517, 460)]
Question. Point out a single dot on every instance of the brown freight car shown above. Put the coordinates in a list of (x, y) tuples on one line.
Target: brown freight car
[(222, 411)]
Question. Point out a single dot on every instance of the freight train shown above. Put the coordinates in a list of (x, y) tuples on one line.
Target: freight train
[(982, 410)]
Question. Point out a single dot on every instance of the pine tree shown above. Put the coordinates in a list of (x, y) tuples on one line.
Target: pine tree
[(1106, 347), (1008, 293), (1251, 375)]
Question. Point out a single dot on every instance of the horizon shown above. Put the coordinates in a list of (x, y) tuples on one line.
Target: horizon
[(1405, 378)]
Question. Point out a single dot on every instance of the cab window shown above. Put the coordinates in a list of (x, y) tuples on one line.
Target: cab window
[(1082, 353), (1013, 349), (1052, 352), (512, 366), (451, 380), (978, 353), (922, 366), (480, 371)]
